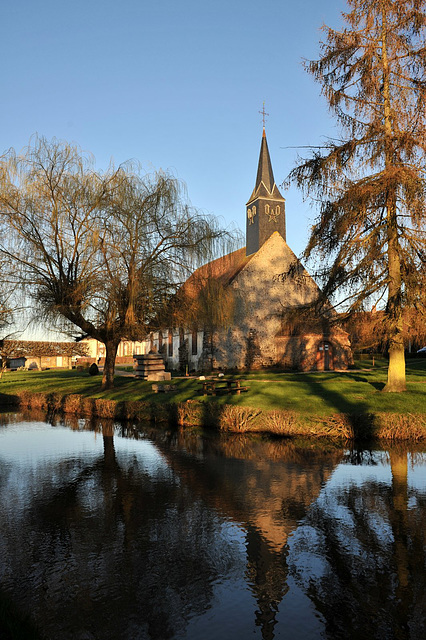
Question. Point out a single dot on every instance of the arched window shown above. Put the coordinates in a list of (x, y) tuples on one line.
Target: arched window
[(266, 208)]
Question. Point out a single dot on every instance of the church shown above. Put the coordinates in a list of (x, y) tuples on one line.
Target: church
[(264, 293)]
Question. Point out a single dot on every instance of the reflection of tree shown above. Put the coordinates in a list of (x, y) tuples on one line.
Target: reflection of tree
[(109, 544), (372, 547)]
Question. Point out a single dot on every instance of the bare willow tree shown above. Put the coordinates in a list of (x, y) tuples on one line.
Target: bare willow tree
[(370, 233), (8, 301), (206, 300), (103, 252)]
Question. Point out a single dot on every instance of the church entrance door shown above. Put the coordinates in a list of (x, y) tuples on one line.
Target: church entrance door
[(325, 356)]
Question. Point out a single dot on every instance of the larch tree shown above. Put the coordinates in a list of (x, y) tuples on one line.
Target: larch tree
[(103, 252), (370, 231)]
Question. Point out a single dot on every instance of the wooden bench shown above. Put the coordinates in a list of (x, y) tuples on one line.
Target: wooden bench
[(213, 387)]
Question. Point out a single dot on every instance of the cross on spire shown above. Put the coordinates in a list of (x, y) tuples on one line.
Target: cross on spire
[(264, 114)]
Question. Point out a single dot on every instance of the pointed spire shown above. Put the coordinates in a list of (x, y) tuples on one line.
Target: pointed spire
[(266, 206), (264, 170), (265, 182)]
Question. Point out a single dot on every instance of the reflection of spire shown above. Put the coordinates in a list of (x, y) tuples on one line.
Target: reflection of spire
[(267, 574)]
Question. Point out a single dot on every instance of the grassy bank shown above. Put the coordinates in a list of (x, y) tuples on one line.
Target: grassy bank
[(321, 403)]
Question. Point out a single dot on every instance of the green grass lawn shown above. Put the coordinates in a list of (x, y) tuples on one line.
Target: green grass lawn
[(320, 393)]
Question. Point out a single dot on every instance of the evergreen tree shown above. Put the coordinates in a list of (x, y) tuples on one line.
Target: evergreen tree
[(370, 232)]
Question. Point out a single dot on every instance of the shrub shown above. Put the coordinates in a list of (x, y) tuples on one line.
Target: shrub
[(72, 404), (233, 418), (105, 408), (24, 398), (280, 422), (190, 413), (160, 412), (83, 366), (396, 426), (39, 401), (338, 425), (87, 407), (55, 401), (135, 410), (36, 401)]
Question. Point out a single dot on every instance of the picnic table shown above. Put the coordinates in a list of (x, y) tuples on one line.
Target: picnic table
[(214, 386)]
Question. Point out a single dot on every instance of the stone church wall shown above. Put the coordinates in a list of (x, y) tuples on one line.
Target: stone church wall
[(264, 290), (262, 293)]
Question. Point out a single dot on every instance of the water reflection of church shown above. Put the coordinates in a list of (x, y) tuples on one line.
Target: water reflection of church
[(360, 555), (267, 488)]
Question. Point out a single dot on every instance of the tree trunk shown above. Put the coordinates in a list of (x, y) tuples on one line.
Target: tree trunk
[(109, 366), (396, 369)]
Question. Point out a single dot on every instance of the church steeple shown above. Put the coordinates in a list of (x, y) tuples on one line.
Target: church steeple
[(266, 206), (264, 170)]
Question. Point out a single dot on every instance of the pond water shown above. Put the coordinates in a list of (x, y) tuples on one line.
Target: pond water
[(116, 532)]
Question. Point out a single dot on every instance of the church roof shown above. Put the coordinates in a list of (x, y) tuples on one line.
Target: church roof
[(223, 269), (265, 182)]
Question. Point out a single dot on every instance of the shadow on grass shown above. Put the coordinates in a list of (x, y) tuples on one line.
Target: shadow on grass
[(8, 400), (358, 413), (378, 385), (362, 421)]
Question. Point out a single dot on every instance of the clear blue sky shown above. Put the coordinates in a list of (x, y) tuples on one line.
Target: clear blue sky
[(176, 84)]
